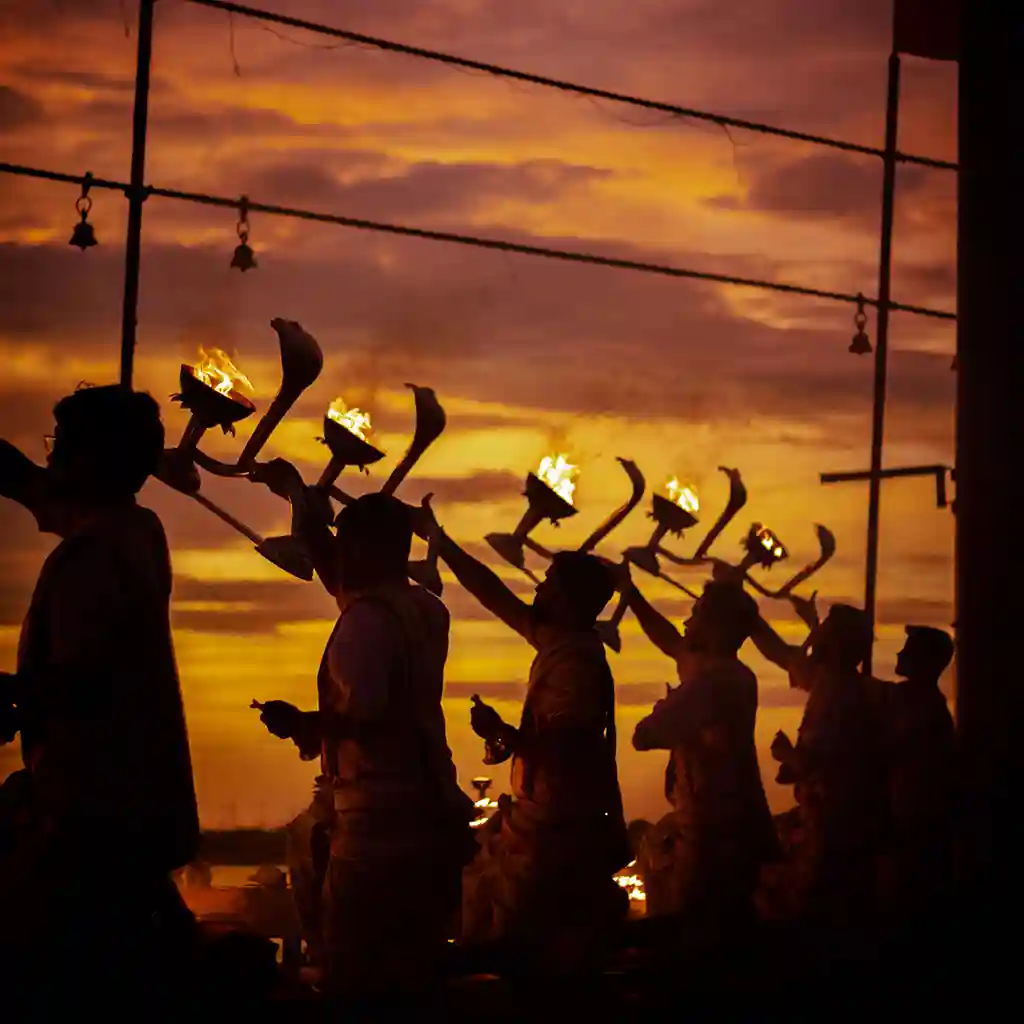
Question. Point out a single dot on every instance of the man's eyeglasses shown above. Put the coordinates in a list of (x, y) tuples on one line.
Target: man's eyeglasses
[(48, 442)]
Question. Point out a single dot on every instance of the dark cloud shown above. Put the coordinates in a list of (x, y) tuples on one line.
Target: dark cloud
[(456, 321), (426, 190), (18, 109), (826, 185)]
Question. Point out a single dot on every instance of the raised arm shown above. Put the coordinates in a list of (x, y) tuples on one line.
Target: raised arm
[(791, 658), (659, 630), (486, 587), (773, 647)]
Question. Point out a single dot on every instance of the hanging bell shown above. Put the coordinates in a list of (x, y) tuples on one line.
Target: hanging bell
[(861, 344), (83, 236), (244, 258)]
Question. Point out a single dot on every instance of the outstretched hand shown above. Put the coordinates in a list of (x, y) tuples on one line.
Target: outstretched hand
[(280, 717)]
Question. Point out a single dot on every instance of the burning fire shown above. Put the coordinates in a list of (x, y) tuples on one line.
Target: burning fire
[(684, 497), (483, 806), (633, 884), (559, 475), (353, 420), (769, 541), (216, 370)]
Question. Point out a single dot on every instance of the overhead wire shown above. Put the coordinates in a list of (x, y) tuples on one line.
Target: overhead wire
[(496, 244)]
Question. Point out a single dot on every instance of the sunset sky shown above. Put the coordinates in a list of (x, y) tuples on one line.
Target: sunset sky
[(528, 356)]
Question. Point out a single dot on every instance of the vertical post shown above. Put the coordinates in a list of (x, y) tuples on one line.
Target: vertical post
[(882, 338), (989, 435), (136, 192)]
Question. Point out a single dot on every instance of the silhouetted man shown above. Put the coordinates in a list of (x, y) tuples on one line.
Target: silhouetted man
[(400, 827), (724, 830), (920, 753), (836, 766), (542, 883), (96, 695)]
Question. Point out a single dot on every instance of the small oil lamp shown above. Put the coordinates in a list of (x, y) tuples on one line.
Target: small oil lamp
[(484, 805), (763, 547), (549, 493), (345, 433), (674, 514)]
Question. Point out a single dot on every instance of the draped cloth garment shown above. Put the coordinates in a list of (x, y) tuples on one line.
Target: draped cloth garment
[(103, 735), (391, 892), (720, 831), (547, 864)]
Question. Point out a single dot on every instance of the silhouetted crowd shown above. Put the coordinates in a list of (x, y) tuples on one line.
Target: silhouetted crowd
[(386, 868)]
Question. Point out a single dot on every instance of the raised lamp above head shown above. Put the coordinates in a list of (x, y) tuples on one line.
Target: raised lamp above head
[(549, 495), (673, 514)]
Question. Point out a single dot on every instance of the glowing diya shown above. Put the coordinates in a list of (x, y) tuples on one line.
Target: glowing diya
[(345, 434), (763, 547), (208, 391)]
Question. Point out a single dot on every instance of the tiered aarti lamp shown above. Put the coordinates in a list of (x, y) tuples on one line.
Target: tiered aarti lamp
[(673, 514), (549, 494)]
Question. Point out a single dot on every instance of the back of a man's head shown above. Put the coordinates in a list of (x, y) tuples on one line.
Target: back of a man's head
[(849, 633), (108, 441), (933, 649), (732, 614), (587, 581), (375, 533)]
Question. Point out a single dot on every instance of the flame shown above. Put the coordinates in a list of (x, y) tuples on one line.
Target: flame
[(483, 807), (559, 475), (216, 370), (769, 541), (353, 420), (684, 497), (633, 884)]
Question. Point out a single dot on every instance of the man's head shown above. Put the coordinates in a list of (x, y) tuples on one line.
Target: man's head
[(106, 443), (721, 619), (575, 590), (374, 540), (844, 639), (926, 654)]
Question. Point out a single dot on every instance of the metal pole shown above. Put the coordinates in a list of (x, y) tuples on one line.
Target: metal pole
[(882, 338), (136, 191)]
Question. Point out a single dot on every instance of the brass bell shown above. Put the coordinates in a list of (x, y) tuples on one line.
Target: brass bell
[(861, 344), (244, 258), (83, 236)]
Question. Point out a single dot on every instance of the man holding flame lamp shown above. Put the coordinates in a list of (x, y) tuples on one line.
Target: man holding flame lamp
[(542, 883), (96, 696), (720, 825)]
